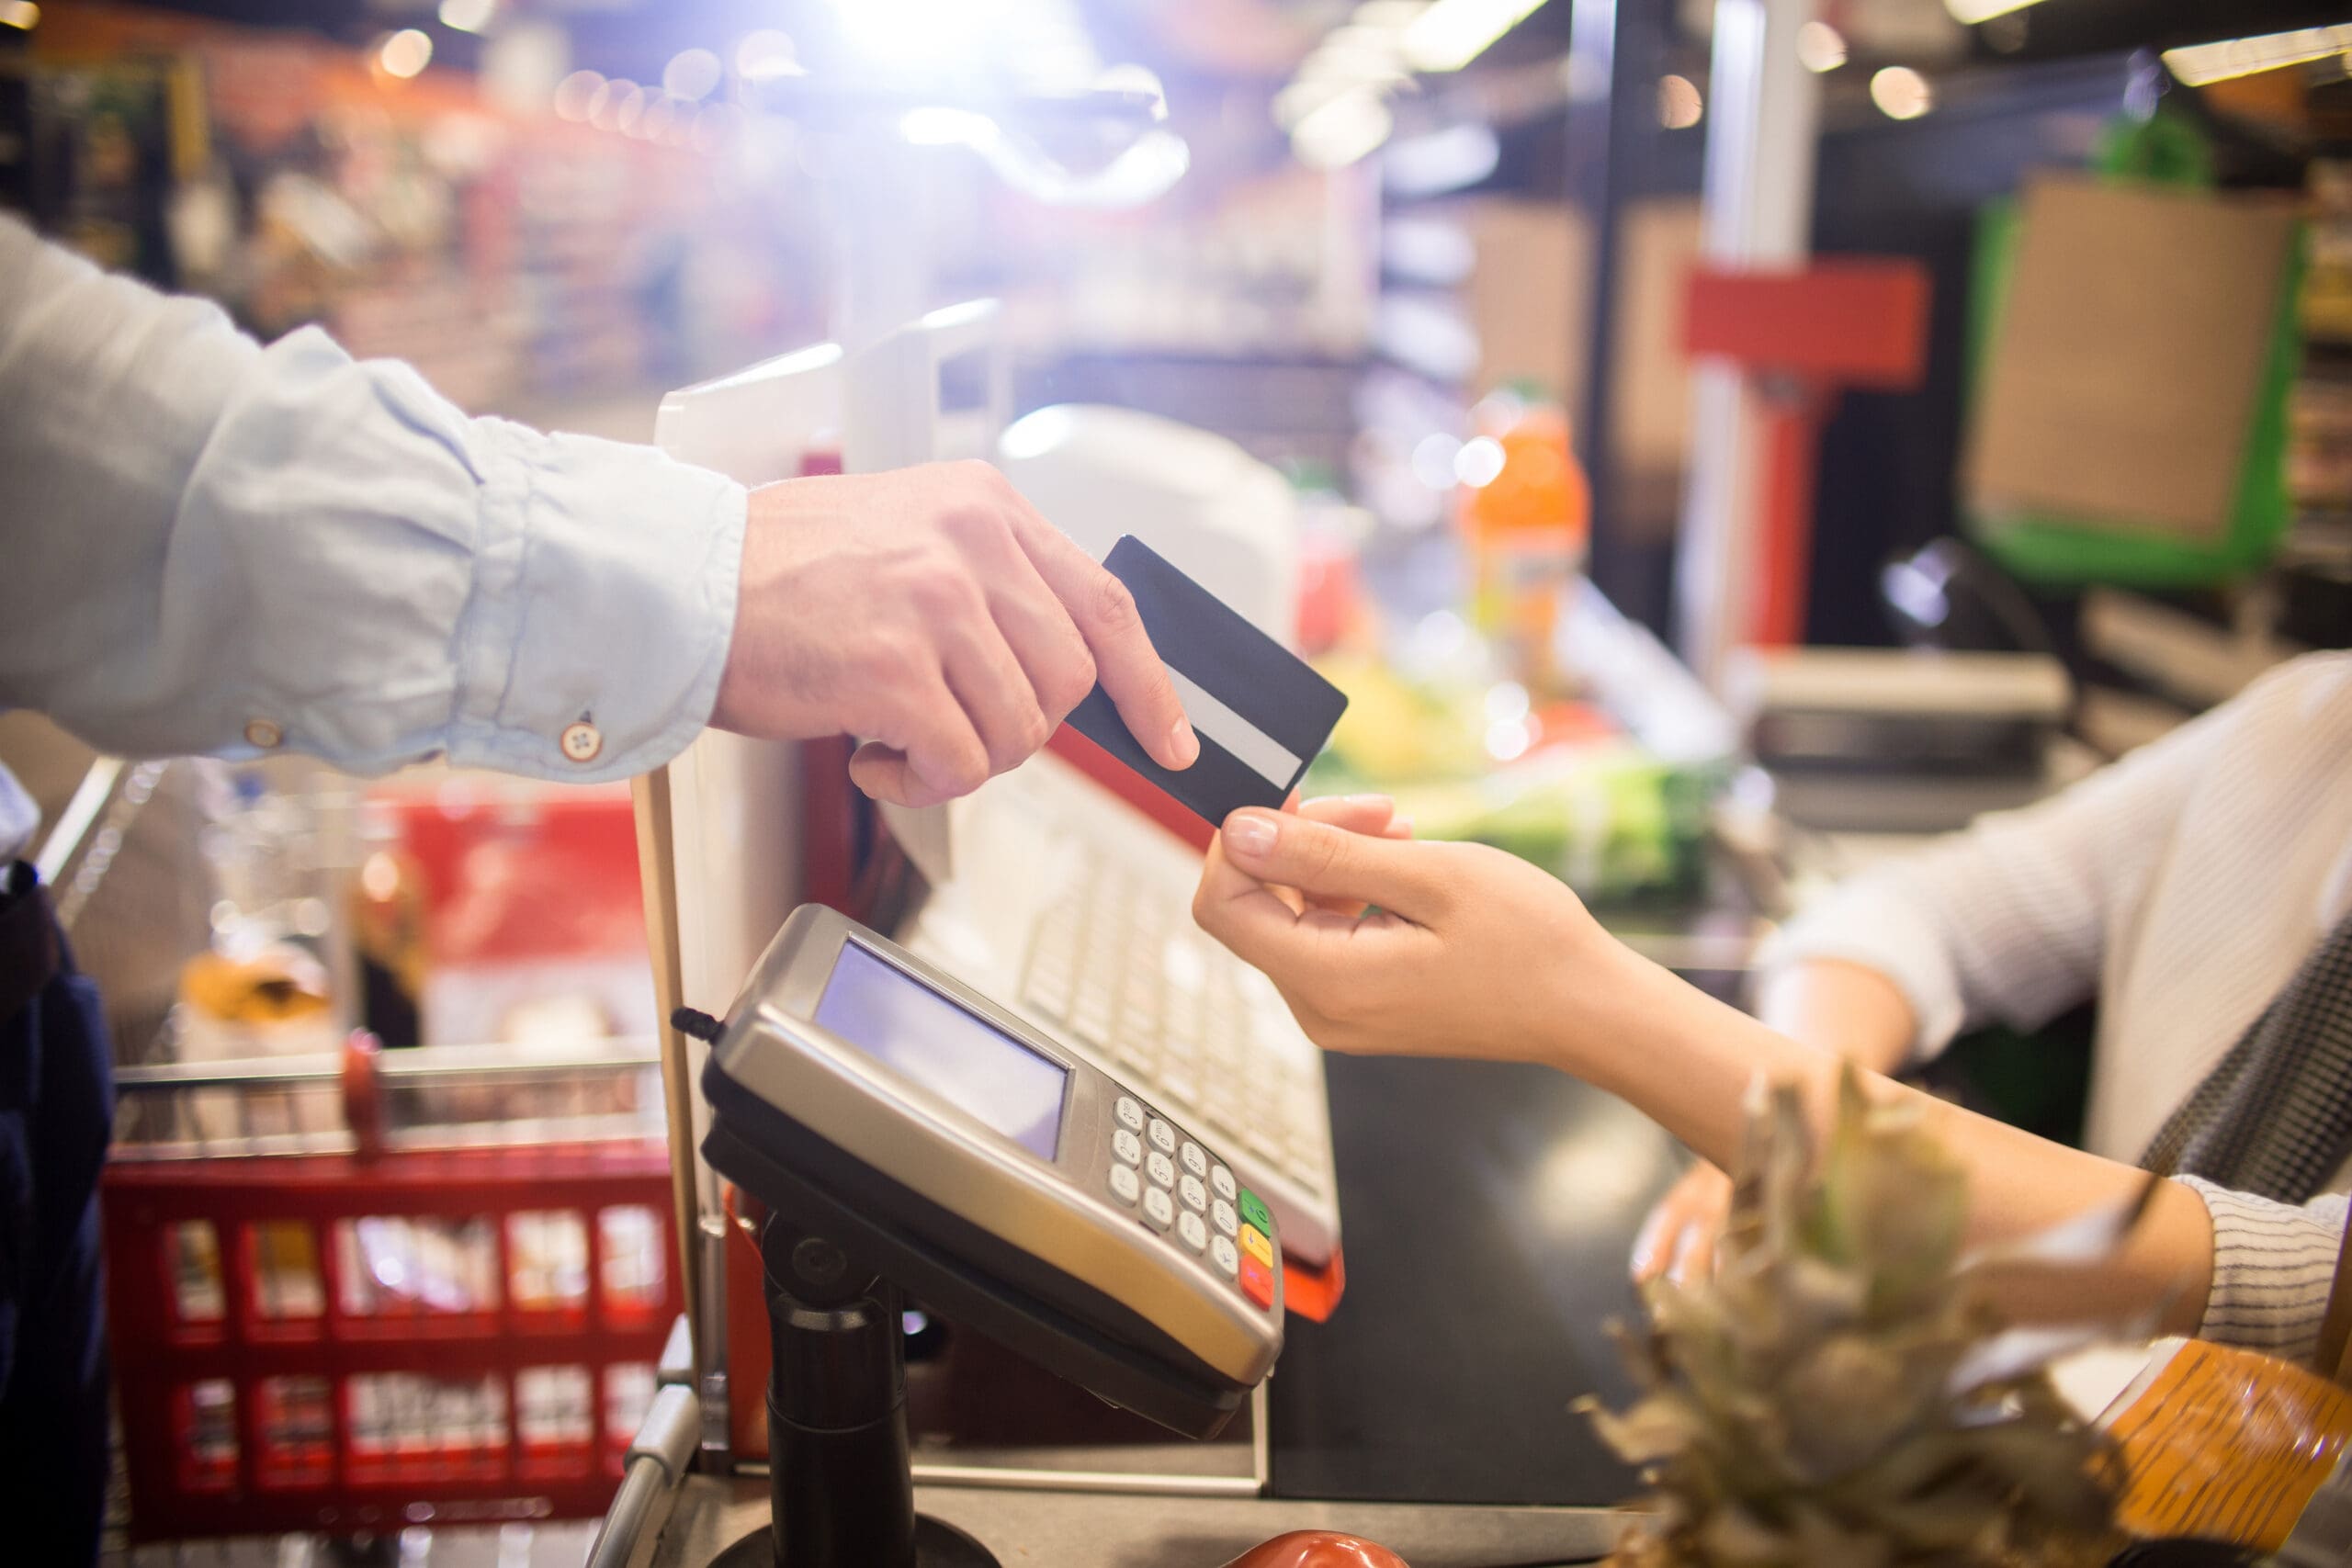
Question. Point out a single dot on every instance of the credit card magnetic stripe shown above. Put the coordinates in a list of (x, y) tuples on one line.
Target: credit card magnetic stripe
[(1267, 757)]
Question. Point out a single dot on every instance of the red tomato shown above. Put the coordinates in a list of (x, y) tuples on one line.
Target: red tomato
[(1318, 1548)]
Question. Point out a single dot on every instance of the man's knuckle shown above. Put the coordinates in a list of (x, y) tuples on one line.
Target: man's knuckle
[(976, 525), (1114, 608), (913, 663), (941, 592), (1070, 680), (959, 522), (965, 768), (1017, 741)]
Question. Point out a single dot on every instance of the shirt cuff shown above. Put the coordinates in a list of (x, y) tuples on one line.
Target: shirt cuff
[(2274, 1265), (601, 606), (1867, 924)]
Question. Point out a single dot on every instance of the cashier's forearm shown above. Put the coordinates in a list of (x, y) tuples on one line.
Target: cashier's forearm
[(1692, 1076), (1846, 1009)]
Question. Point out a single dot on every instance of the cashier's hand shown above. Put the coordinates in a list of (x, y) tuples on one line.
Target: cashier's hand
[(1678, 1241), (1464, 950), (932, 612)]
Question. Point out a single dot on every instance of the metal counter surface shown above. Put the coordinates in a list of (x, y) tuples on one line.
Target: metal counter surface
[(1065, 1530)]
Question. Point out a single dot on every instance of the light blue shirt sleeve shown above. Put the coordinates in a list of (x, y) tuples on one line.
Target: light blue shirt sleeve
[(213, 547)]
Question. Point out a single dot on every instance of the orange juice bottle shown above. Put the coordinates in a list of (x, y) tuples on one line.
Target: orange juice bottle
[(1525, 511)]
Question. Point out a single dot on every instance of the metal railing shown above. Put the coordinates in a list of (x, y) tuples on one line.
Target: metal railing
[(424, 1098)]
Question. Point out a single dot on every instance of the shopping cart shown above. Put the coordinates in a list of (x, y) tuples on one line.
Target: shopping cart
[(352, 1292), (398, 1318)]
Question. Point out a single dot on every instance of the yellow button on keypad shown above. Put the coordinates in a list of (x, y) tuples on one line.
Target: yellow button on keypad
[(1254, 1243)]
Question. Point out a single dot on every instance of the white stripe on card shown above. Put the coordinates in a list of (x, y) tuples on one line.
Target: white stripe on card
[(1212, 720)]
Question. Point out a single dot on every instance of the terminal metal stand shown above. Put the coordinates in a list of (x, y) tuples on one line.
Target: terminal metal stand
[(838, 1478)]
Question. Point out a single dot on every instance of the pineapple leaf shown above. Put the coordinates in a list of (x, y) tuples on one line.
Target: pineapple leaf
[(1840, 1394)]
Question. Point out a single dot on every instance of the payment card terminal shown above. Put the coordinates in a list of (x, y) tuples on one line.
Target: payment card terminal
[(998, 1177)]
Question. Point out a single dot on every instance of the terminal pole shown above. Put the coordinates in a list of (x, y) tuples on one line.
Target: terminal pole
[(838, 1478)]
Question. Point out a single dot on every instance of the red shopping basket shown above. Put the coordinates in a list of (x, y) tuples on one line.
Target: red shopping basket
[(332, 1342)]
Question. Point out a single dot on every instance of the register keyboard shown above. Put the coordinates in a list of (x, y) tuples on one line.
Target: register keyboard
[(1115, 968)]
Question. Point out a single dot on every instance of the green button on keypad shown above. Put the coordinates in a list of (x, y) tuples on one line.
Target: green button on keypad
[(1253, 1210)]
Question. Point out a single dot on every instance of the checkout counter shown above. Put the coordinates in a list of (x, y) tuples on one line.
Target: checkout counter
[(945, 1146)]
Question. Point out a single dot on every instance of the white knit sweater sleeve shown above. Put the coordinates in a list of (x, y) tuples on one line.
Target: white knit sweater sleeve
[(2009, 920), (2273, 1267)]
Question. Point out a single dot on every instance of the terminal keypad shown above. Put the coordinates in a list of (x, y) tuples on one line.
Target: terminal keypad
[(1179, 1190)]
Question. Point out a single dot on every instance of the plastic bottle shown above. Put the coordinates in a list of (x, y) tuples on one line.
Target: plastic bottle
[(1525, 512)]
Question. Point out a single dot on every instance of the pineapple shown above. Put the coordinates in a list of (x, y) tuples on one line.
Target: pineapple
[(1839, 1396)]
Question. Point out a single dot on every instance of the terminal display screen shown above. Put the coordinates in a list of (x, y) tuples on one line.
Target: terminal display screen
[(901, 1022)]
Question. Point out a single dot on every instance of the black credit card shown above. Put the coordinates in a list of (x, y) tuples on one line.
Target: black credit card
[(1262, 714)]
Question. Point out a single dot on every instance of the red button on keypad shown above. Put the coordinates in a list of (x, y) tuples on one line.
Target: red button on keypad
[(1257, 1282)]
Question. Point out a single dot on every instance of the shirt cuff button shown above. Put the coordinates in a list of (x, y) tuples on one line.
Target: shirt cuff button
[(265, 734), (582, 742)]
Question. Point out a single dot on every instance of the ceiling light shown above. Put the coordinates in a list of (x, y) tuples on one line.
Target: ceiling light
[(936, 125), (1479, 462), (1968, 13), (1303, 97), (1902, 92), (1442, 160), (1678, 104), (1350, 69), (2197, 64), (691, 74), (468, 15), (1357, 50), (22, 15), (1350, 127), (919, 37), (715, 127), (1820, 47), (575, 95), (628, 108), (1432, 460), (615, 100), (1135, 81), (1452, 33), (765, 55), (404, 53)]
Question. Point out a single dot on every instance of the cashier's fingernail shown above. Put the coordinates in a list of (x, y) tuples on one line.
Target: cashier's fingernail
[(1184, 743), (1249, 834)]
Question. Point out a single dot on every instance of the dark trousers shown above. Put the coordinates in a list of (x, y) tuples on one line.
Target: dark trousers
[(56, 1109)]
